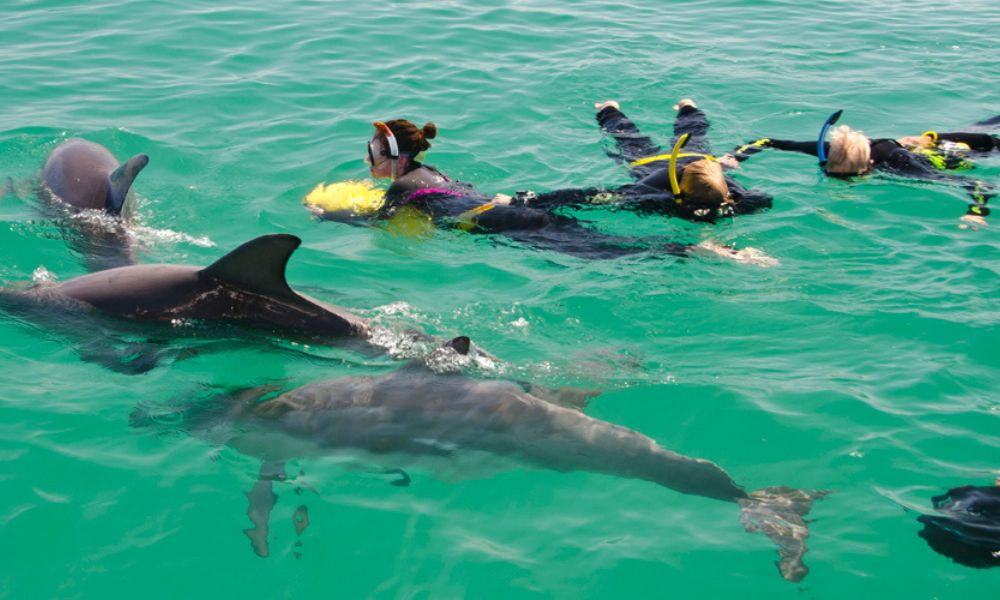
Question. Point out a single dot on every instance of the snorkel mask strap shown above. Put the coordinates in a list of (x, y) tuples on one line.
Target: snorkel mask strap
[(820, 150), (675, 186), (393, 146)]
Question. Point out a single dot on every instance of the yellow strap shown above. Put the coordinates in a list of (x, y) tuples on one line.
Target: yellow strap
[(467, 219), (931, 134), (649, 159), (756, 144)]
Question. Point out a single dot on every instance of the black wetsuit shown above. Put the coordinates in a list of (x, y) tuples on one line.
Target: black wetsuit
[(890, 156), (454, 204), (652, 194)]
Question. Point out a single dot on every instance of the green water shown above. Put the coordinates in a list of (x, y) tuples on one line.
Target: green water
[(864, 362)]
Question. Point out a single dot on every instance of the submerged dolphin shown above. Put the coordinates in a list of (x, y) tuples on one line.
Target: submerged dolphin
[(245, 287), (416, 412), (86, 175)]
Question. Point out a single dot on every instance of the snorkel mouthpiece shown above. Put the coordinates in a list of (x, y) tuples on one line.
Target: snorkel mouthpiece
[(675, 186), (820, 150)]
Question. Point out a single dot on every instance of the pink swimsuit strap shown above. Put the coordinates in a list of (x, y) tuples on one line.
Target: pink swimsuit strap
[(425, 191)]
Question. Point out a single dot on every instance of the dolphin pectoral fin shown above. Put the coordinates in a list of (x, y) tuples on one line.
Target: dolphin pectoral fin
[(134, 359), (567, 397), (404, 477), (262, 499), (258, 266), (120, 182), (778, 513)]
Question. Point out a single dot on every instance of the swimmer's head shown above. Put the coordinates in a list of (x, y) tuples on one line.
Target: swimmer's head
[(703, 184), (850, 152), (396, 144)]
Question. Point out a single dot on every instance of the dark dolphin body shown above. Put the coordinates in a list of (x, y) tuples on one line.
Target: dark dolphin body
[(967, 528), (86, 176), (415, 412), (245, 287)]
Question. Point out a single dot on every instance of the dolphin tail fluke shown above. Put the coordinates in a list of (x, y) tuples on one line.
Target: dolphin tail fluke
[(778, 512), (120, 182)]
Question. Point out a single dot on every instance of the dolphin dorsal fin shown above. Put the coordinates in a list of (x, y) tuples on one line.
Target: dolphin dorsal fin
[(460, 344), (258, 266), (120, 182)]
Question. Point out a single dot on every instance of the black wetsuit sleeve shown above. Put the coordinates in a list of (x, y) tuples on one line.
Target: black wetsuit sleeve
[(979, 142), (573, 197), (742, 153), (803, 147), (632, 145), (748, 200), (694, 122)]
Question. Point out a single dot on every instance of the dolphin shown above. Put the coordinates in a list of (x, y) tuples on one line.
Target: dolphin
[(416, 412), (86, 175), (83, 176), (245, 287)]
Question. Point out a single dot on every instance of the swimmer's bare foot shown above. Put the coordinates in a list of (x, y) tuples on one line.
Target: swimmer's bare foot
[(599, 106), (975, 220)]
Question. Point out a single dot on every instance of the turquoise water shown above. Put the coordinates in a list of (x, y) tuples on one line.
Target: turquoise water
[(864, 361)]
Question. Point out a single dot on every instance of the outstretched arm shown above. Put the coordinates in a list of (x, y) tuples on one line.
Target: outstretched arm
[(742, 153), (632, 145), (692, 121)]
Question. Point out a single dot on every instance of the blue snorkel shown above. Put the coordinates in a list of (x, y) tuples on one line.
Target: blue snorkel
[(820, 150)]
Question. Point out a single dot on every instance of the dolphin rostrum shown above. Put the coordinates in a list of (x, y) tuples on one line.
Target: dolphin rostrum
[(414, 412), (245, 287)]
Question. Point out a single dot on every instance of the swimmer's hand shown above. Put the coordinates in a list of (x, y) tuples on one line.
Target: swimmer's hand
[(503, 199), (729, 161), (599, 106)]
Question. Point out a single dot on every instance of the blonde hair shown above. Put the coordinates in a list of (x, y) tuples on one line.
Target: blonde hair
[(704, 183), (850, 152)]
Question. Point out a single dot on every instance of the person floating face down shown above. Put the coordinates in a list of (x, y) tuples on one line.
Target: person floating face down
[(687, 182), (396, 152), (929, 156)]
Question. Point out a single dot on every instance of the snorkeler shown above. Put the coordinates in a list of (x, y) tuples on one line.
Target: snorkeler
[(690, 184), (928, 156), (396, 152)]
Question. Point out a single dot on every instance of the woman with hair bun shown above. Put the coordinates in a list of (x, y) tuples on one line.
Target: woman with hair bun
[(396, 151)]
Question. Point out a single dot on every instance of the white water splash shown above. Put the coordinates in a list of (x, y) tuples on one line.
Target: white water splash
[(748, 255), (146, 234), (42, 275)]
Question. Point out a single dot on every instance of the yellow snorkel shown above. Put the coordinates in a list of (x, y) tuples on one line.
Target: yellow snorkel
[(675, 185)]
